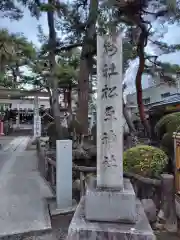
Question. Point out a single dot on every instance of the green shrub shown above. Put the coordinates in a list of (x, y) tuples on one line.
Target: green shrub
[(145, 160), (168, 124), (164, 129)]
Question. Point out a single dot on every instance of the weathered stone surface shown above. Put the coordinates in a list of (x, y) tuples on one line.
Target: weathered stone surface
[(82, 229), (109, 112), (150, 209), (63, 173), (110, 205)]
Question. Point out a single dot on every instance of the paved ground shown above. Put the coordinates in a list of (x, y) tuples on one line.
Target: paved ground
[(23, 211), (22, 191), (5, 140)]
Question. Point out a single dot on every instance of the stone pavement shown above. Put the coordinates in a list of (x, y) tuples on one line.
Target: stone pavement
[(22, 191)]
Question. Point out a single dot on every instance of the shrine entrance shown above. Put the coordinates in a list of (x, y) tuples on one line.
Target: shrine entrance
[(17, 108)]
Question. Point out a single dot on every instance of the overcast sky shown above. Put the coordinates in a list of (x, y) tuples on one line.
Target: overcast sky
[(28, 26)]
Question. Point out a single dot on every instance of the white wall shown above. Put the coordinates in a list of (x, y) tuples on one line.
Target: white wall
[(154, 93)]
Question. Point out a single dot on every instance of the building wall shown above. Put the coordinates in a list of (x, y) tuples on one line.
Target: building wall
[(29, 103), (154, 94), (150, 95), (24, 104)]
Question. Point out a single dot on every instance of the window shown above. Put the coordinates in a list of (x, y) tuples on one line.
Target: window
[(164, 95), (146, 100)]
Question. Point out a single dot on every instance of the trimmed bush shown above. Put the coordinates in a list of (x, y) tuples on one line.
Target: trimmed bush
[(145, 160), (168, 124), (164, 129)]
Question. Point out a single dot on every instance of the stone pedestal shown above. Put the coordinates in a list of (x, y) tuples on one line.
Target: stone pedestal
[(111, 205), (82, 229)]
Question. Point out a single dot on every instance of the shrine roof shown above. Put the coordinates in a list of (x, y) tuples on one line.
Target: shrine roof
[(7, 93)]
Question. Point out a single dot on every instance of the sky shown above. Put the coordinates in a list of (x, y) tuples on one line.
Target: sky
[(28, 26)]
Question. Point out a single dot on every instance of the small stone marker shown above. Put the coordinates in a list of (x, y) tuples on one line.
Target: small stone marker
[(63, 173)]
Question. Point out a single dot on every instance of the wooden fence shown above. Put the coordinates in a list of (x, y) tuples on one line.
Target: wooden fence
[(83, 171), (164, 187)]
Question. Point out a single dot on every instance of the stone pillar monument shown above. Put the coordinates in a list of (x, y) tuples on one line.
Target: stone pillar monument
[(109, 210), (37, 118), (109, 112)]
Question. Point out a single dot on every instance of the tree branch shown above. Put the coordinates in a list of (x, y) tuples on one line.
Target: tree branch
[(68, 47)]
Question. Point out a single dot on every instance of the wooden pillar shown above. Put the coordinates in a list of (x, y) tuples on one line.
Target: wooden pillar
[(176, 137)]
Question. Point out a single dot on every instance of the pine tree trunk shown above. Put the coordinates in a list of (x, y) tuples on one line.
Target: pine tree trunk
[(133, 133), (140, 50), (85, 67), (83, 95), (128, 120), (53, 80), (69, 99), (50, 101)]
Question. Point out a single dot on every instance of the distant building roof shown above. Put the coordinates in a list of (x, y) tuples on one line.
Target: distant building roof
[(174, 98)]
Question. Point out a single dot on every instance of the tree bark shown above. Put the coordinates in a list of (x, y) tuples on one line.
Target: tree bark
[(83, 86), (140, 49), (128, 119), (69, 100), (134, 139), (52, 61), (50, 101), (85, 67)]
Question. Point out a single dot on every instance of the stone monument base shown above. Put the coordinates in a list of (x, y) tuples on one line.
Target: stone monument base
[(81, 229), (111, 205)]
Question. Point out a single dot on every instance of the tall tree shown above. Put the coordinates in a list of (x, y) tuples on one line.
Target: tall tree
[(15, 52), (80, 25), (133, 15)]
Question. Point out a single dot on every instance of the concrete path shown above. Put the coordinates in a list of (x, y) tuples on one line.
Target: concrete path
[(22, 192), (5, 140)]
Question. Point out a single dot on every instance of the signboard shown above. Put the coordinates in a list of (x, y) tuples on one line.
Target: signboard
[(37, 126)]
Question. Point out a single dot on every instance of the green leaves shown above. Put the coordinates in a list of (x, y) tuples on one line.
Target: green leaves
[(15, 52), (145, 160)]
